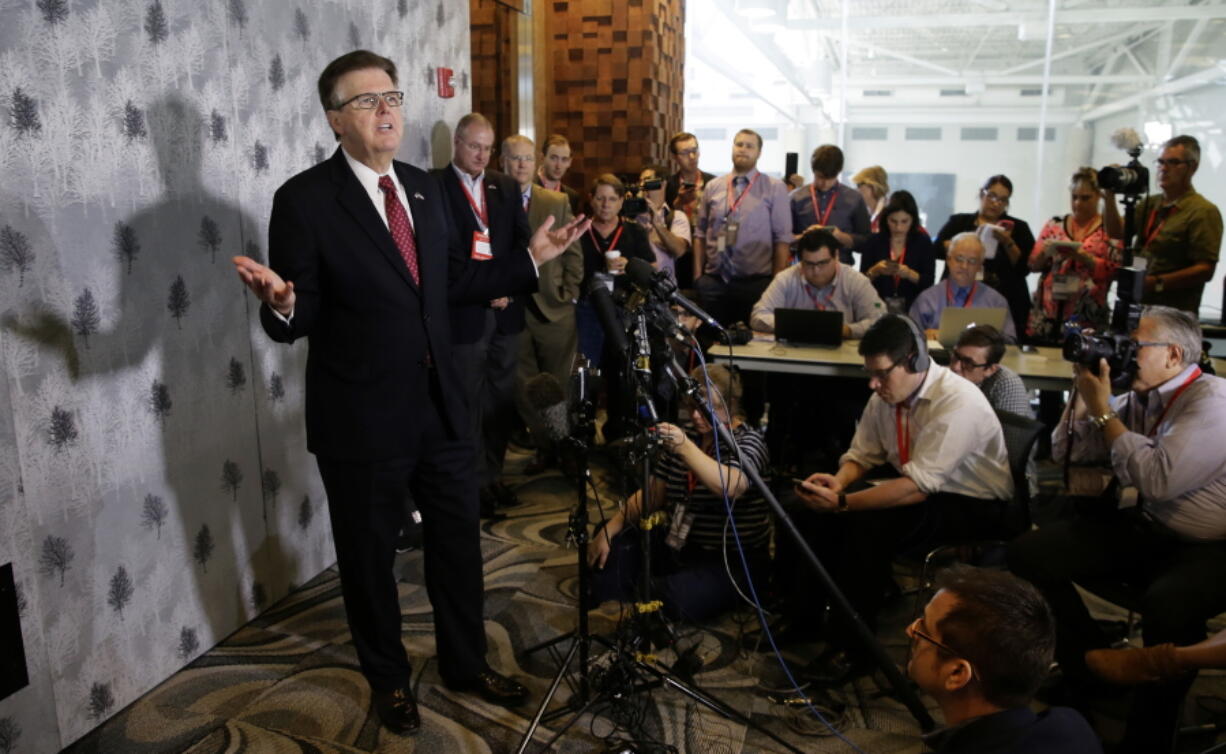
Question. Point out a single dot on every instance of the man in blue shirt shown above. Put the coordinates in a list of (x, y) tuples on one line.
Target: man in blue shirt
[(982, 647), (965, 260)]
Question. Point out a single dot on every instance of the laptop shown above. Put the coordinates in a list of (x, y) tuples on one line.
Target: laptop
[(955, 319), (808, 327)]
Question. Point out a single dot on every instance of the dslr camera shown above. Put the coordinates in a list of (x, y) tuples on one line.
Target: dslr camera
[(1116, 345), (1132, 179), (636, 203)]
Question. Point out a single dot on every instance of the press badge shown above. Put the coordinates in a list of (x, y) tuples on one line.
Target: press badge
[(482, 251), (727, 239), (1065, 287), (679, 527)]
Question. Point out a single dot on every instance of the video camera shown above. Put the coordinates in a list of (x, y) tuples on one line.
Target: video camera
[(1132, 179), (636, 203)]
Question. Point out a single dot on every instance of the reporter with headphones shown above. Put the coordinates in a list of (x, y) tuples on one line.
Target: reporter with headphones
[(941, 436)]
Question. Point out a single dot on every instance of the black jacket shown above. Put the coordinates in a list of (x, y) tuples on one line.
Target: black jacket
[(376, 338), (509, 234)]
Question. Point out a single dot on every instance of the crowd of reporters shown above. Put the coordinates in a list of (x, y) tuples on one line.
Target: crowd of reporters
[(744, 246)]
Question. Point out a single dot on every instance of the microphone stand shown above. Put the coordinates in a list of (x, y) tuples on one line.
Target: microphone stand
[(615, 687), (839, 603)]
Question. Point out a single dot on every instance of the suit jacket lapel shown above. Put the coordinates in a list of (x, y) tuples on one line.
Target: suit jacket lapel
[(357, 203)]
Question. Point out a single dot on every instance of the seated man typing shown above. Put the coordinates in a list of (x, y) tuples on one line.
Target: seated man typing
[(941, 436), (822, 282), (1165, 444), (965, 261)]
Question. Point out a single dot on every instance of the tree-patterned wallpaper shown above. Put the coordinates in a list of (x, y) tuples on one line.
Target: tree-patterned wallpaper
[(155, 490)]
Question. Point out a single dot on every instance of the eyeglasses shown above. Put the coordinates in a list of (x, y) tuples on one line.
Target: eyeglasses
[(914, 631), (1144, 343), (479, 148), (997, 198), (370, 100), (969, 363), (881, 375), (1170, 162), (968, 261), (687, 152), (817, 265)]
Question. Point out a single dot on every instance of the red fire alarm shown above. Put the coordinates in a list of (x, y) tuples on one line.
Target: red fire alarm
[(445, 89)]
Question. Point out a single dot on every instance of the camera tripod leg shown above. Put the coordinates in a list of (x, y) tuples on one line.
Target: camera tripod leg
[(553, 689)]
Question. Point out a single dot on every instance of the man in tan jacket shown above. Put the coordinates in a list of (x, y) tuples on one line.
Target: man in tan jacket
[(550, 338)]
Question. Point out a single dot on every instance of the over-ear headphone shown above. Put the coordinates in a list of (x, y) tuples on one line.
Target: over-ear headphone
[(918, 361)]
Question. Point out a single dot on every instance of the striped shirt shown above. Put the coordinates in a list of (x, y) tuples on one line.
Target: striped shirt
[(750, 512)]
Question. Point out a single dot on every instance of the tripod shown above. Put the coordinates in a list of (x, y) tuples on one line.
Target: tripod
[(619, 683)]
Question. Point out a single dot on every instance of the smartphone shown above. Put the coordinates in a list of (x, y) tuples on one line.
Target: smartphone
[(1006, 224)]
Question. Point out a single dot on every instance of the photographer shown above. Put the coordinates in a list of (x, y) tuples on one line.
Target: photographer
[(1165, 444), (668, 230), (1075, 277), (692, 577), (1178, 231)]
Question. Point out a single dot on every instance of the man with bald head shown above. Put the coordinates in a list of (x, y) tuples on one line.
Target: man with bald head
[(962, 288), (491, 222)]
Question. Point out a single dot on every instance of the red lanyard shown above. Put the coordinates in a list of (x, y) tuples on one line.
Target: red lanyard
[(949, 295), (1178, 392), (827, 300), (822, 217), (1166, 212), (901, 259), (691, 481), (904, 436), (612, 244), (482, 212), (732, 205)]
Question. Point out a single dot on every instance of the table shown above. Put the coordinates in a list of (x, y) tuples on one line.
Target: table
[(1041, 368)]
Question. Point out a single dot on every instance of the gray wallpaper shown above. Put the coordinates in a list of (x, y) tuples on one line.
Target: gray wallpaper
[(155, 491)]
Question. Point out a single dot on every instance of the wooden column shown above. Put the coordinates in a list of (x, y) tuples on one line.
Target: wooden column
[(494, 25), (615, 82)]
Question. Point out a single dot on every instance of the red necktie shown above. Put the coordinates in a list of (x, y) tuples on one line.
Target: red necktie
[(398, 224)]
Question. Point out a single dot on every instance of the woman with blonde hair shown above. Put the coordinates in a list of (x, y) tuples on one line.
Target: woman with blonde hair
[(874, 186)]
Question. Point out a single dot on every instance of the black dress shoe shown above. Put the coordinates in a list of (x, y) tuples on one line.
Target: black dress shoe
[(835, 668), (494, 688), (489, 504), (397, 710)]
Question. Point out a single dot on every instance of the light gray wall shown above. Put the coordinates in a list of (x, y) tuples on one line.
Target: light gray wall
[(177, 135)]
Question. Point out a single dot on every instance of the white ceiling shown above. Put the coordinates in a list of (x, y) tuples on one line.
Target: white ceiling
[(1105, 54)]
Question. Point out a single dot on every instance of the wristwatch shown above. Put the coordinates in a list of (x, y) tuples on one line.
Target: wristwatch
[(842, 506), (1101, 421)]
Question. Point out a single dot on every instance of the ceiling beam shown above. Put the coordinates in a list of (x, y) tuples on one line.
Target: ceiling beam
[(718, 64), (1188, 43), (1095, 17), (765, 45), (1079, 49), (1193, 81)]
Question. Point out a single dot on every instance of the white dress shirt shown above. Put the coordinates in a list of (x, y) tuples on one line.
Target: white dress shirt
[(956, 443)]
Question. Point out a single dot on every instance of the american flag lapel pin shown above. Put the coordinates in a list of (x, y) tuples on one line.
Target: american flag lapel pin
[(417, 195)]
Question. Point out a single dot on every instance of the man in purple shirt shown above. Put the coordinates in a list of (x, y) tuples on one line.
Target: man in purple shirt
[(965, 260), (1159, 526), (743, 236), (829, 204)]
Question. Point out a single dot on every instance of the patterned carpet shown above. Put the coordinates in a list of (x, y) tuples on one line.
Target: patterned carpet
[(289, 681)]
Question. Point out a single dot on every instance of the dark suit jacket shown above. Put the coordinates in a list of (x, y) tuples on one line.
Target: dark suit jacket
[(509, 235), (559, 277), (376, 337)]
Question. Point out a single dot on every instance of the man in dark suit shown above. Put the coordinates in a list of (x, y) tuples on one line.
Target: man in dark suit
[(359, 257), (485, 336)]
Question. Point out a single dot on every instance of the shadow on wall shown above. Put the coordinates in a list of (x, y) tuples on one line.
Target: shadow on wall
[(179, 303), (440, 145)]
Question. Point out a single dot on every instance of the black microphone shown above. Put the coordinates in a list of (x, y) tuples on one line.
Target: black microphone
[(606, 312), (548, 405), (641, 275)]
